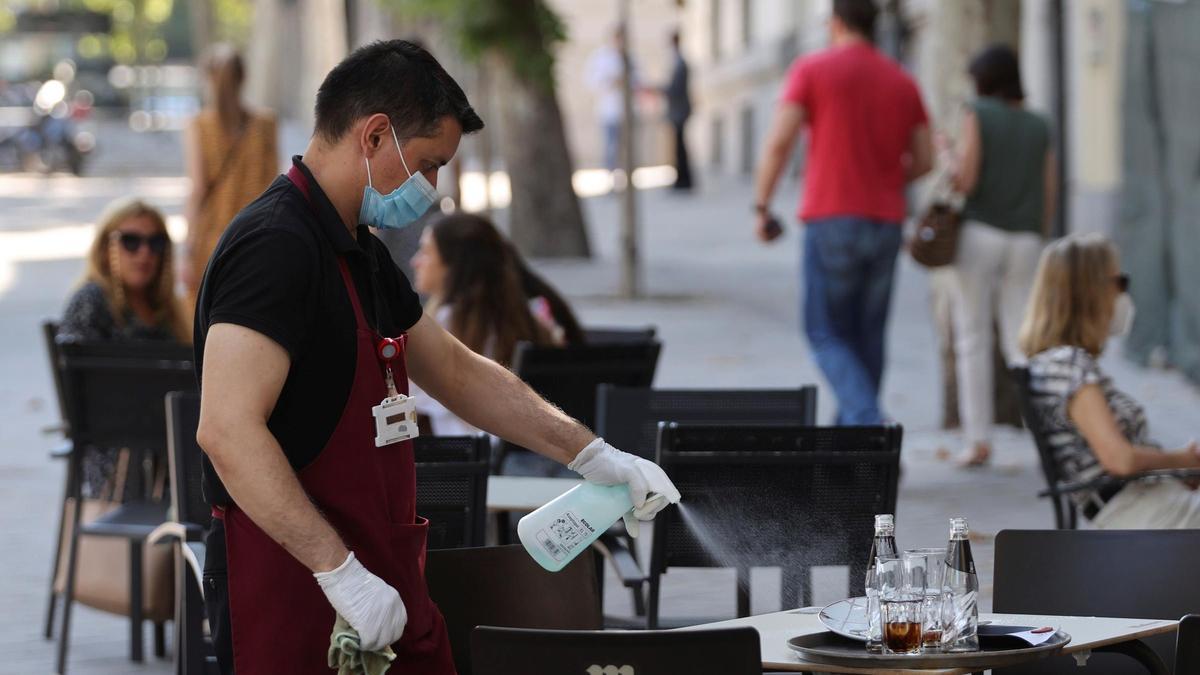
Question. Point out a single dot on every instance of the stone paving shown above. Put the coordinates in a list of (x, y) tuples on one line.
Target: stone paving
[(725, 308)]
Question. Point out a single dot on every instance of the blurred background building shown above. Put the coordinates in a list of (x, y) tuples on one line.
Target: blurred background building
[(1118, 77)]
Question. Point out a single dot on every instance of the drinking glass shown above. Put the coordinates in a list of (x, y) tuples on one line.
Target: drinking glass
[(901, 607), (926, 569)]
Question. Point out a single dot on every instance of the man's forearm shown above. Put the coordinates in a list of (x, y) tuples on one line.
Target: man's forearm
[(768, 174), (488, 396), (262, 483)]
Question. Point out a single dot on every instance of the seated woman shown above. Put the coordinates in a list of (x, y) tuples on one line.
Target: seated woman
[(128, 290), (1078, 301), (127, 293), (473, 281)]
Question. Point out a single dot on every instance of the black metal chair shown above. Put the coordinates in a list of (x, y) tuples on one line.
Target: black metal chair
[(503, 586), (568, 376), (1058, 490), (114, 399), (618, 336), (194, 653), (61, 451), (628, 418), (452, 473), (1187, 645), (515, 651), (786, 496), (1147, 574)]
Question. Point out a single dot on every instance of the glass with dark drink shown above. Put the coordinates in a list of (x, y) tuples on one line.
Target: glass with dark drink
[(900, 608)]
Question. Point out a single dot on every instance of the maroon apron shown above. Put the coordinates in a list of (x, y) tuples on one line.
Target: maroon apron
[(280, 619)]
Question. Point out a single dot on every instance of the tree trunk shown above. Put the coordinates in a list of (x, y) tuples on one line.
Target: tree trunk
[(545, 215)]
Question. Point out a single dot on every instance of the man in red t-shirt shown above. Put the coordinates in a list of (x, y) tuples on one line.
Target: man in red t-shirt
[(868, 137)]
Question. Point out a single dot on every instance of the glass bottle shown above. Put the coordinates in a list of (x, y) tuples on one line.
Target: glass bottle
[(883, 545), (960, 593)]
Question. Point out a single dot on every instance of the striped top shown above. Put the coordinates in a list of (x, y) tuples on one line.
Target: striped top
[(1055, 375)]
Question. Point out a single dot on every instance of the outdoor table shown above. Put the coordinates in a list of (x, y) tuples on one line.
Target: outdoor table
[(524, 493), (1087, 634)]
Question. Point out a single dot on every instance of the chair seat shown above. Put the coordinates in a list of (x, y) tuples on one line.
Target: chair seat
[(135, 520)]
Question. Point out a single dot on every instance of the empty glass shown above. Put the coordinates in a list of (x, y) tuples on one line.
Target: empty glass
[(926, 569)]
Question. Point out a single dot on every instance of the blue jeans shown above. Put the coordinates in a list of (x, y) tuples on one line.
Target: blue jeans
[(849, 263)]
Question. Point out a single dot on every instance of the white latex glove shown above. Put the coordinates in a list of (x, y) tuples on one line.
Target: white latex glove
[(366, 602), (649, 488)]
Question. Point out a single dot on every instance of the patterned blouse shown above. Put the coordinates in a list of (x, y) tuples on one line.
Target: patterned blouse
[(1055, 375), (88, 317)]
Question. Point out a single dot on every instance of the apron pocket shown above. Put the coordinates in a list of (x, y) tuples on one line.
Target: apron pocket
[(408, 577)]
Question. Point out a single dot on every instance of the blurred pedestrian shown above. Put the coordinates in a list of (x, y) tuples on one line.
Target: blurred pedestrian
[(231, 157), (606, 73), (1080, 298), (127, 294), (128, 290), (1006, 168), (868, 137), (473, 282), (679, 108)]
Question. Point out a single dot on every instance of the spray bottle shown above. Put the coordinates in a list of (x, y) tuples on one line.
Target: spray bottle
[(560, 530)]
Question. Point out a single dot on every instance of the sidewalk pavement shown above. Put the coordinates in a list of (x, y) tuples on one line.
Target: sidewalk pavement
[(726, 310)]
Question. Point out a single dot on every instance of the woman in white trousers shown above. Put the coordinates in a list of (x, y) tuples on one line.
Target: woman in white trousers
[(1006, 169)]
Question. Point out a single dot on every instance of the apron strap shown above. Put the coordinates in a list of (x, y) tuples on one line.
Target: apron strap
[(298, 179), (352, 291)]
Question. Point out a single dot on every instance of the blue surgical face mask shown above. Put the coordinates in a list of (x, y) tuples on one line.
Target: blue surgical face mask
[(401, 206)]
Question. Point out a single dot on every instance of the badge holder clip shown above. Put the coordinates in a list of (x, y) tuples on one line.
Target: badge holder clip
[(396, 415)]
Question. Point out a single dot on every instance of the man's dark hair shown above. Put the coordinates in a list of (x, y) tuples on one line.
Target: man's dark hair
[(858, 15), (396, 78), (996, 73)]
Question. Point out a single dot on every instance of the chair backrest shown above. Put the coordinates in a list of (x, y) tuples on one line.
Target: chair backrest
[(514, 651), (50, 338), (114, 391), (568, 376), (1064, 510), (628, 417), (185, 456), (503, 586), (775, 495), (618, 336), (1187, 645), (1074, 572), (452, 476)]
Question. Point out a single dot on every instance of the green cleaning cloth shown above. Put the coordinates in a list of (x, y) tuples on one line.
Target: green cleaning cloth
[(347, 658)]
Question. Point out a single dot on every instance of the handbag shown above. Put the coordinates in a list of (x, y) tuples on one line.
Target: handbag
[(102, 563), (935, 242)]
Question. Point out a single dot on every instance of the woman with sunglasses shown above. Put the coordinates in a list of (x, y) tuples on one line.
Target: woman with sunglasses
[(1080, 299), (128, 290)]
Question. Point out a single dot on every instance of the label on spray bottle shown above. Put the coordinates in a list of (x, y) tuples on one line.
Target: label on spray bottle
[(564, 534)]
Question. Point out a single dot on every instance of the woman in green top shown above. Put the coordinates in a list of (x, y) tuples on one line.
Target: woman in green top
[(1005, 167)]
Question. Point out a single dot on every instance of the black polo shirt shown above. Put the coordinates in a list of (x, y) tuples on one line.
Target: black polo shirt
[(275, 271)]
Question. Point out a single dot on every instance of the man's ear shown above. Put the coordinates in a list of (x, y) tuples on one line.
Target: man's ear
[(374, 130)]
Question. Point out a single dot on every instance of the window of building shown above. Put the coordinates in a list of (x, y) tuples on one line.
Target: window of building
[(748, 139), (714, 29), (717, 142), (747, 22)]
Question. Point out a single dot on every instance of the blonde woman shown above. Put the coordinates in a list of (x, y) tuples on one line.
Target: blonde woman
[(1079, 300), (128, 294), (128, 290), (231, 158)]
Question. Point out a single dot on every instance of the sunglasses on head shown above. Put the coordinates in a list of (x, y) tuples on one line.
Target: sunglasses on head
[(131, 242), (1122, 282)]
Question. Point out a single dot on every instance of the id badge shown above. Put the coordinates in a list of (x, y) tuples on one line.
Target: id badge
[(395, 420)]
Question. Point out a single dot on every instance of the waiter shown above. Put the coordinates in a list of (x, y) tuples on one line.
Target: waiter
[(306, 335)]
